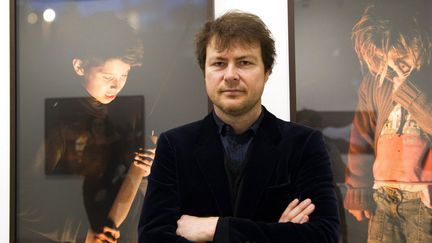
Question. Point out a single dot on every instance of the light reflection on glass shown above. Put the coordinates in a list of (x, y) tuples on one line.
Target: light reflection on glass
[(49, 15)]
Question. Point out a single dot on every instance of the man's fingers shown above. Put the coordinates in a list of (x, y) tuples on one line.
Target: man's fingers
[(299, 208), (292, 204), (285, 217), (297, 211), (178, 230), (309, 209), (305, 212), (305, 219), (181, 224)]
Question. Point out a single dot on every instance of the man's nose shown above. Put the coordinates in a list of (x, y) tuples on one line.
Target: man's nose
[(231, 73)]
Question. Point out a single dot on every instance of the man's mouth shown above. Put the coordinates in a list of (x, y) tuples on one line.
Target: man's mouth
[(231, 91)]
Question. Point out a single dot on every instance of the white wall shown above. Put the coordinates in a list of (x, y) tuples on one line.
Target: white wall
[(4, 122), (275, 16)]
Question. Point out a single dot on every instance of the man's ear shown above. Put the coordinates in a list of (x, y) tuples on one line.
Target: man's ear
[(266, 76), (77, 65)]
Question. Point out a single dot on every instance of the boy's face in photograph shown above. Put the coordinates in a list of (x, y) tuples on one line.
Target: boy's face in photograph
[(105, 81), (401, 64)]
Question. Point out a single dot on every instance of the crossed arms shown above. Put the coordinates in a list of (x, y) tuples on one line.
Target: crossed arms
[(202, 229)]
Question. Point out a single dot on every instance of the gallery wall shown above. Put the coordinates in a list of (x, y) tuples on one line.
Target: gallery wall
[(4, 123)]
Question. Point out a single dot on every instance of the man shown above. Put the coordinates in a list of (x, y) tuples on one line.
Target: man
[(230, 176), (393, 121)]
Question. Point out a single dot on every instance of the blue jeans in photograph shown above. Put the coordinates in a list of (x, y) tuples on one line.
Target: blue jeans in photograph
[(400, 216)]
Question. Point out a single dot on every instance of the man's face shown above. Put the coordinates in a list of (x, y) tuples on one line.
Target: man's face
[(235, 77), (104, 82)]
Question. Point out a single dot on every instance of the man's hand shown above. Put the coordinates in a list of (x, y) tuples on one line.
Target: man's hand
[(297, 213), (360, 215), (197, 229)]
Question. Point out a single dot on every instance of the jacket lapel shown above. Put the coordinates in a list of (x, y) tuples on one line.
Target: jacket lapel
[(260, 167), (209, 155)]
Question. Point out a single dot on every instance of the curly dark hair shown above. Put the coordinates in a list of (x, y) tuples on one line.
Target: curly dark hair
[(236, 27)]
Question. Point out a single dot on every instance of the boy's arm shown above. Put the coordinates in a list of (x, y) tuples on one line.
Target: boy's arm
[(414, 96), (358, 177)]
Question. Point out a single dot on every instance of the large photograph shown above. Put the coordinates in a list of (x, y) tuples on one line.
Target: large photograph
[(363, 77), (97, 81)]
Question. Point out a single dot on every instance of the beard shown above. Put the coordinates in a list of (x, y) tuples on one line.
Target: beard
[(237, 109)]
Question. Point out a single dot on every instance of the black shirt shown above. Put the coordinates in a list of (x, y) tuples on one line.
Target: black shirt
[(237, 149)]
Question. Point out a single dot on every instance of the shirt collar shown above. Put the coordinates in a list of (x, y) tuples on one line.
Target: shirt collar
[(223, 127)]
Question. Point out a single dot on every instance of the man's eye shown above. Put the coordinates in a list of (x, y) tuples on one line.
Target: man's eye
[(108, 77), (218, 64), (245, 63)]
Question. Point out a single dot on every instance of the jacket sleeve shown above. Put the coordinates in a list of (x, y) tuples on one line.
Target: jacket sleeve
[(312, 179), (160, 212), (359, 176)]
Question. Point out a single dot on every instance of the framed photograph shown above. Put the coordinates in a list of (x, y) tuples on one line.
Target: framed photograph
[(94, 83), (358, 69)]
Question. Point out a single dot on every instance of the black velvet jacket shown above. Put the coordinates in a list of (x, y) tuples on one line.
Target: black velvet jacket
[(287, 161)]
